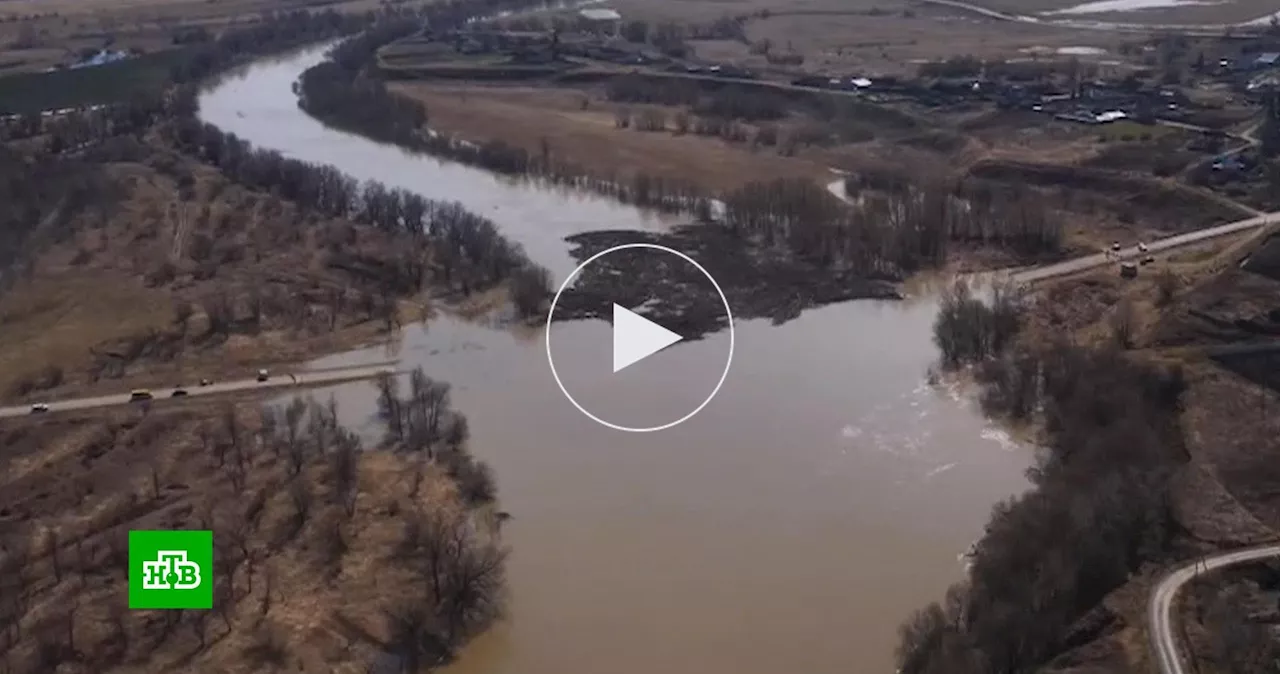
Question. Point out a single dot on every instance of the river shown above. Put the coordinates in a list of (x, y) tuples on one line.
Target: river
[(790, 526)]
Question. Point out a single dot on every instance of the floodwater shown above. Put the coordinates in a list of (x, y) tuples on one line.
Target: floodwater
[(822, 496), (1103, 6), (1081, 51)]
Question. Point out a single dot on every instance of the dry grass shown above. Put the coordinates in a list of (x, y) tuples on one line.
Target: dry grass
[(56, 320), (115, 286), (1218, 309), (1234, 426), (1230, 422), (866, 36), (524, 116), (89, 480), (894, 43)]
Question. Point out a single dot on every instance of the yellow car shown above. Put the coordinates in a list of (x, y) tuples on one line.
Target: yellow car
[(140, 394)]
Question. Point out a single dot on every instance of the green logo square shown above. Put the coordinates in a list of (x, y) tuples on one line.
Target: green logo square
[(171, 569)]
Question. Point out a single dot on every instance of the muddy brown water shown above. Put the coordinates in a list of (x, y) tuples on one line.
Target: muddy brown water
[(821, 497)]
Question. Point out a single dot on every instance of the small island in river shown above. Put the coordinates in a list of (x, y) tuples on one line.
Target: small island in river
[(758, 281)]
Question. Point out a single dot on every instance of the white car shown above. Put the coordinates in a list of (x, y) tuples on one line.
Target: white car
[(263, 375), (1142, 247), (39, 408), (1115, 246)]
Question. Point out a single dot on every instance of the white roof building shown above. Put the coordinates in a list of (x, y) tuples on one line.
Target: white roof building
[(600, 14)]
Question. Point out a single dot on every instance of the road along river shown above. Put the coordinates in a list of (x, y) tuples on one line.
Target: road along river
[(823, 495)]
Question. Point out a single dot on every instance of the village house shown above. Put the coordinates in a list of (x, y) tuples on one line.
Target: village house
[(602, 21)]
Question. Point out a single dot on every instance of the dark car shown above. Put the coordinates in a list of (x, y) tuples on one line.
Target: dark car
[(178, 393), (140, 394)]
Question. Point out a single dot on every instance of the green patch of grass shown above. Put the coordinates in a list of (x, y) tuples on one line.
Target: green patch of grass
[(1130, 131), (110, 83)]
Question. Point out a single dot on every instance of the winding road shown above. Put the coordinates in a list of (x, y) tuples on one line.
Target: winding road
[(277, 381), (1164, 646)]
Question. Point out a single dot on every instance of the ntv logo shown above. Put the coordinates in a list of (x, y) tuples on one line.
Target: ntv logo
[(170, 571)]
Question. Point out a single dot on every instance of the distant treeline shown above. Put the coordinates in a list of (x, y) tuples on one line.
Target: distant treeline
[(348, 93), (469, 253), (1099, 509)]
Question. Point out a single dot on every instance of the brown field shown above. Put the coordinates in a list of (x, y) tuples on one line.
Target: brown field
[(865, 37), (524, 116), (893, 43), (38, 34), (309, 564), (127, 295)]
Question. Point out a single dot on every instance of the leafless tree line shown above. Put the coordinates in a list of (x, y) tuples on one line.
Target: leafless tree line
[(423, 423), (891, 234), (467, 251), (347, 92), (1100, 507), (296, 480)]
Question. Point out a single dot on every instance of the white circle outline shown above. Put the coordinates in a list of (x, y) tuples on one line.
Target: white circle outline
[(723, 300)]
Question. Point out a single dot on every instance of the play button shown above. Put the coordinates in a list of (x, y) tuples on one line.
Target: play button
[(636, 337), (650, 298)]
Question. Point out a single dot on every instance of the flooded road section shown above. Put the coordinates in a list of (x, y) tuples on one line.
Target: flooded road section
[(790, 526)]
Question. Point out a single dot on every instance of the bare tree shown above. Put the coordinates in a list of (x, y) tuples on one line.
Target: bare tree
[(345, 468), (301, 499), (1124, 324), (1166, 287)]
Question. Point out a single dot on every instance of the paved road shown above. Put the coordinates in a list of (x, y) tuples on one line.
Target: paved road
[(1132, 253), (1087, 262), (1164, 644), (277, 381)]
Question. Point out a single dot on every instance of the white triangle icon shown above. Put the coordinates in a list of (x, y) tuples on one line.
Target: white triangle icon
[(636, 337)]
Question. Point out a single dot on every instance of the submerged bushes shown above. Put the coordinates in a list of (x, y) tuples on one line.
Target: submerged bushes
[(972, 213), (967, 329), (1099, 508), (885, 234)]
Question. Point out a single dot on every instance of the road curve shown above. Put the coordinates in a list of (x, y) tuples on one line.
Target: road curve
[(277, 381), (1164, 645)]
